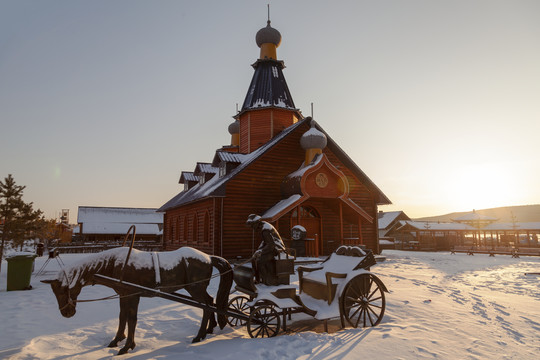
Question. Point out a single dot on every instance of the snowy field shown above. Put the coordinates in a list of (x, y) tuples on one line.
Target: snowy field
[(439, 306)]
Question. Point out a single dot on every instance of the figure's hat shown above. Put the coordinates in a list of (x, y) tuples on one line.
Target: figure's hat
[(252, 219)]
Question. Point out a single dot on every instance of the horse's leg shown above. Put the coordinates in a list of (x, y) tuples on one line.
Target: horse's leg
[(211, 316), (131, 315), (122, 319), (202, 297)]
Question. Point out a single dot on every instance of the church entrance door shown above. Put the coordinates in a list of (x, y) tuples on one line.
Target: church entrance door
[(309, 218)]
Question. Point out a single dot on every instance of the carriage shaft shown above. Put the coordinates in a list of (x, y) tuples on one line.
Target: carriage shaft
[(149, 292)]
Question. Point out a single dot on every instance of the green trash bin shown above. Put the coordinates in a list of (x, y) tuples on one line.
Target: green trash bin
[(20, 267)]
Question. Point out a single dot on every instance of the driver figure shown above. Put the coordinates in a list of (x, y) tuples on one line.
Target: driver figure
[(264, 257)]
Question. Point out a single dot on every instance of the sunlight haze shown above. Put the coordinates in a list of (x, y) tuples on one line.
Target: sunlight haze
[(104, 103)]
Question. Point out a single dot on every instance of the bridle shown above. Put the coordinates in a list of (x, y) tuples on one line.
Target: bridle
[(70, 301)]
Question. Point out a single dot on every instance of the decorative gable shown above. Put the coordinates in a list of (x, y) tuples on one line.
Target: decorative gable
[(324, 180)]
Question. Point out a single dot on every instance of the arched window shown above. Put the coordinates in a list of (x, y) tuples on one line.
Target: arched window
[(170, 234), (306, 212), (195, 228), (177, 237), (206, 227), (186, 233)]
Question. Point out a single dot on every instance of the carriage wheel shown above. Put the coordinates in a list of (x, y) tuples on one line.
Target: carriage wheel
[(264, 321), (362, 301), (238, 303)]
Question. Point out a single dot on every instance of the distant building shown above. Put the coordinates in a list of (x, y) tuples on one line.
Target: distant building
[(110, 224), (279, 165), (388, 221), (471, 229), (426, 235)]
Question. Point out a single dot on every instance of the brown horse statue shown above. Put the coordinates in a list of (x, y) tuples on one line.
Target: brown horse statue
[(185, 268)]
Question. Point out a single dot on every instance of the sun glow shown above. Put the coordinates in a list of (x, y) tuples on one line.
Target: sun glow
[(482, 186)]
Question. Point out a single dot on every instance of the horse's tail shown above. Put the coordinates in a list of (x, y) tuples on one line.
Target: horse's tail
[(225, 284)]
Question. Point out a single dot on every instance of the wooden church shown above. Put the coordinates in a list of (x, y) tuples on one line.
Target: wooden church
[(280, 165)]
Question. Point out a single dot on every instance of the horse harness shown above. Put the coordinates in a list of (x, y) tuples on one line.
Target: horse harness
[(157, 271)]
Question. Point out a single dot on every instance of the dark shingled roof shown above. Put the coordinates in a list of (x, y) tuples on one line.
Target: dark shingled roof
[(227, 156), (268, 87), (205, 168), (215, 187), (188, 176)]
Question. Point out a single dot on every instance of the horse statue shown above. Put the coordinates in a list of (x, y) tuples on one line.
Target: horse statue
[(185, 268)]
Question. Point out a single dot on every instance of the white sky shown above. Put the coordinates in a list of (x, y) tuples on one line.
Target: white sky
[(104, 103)]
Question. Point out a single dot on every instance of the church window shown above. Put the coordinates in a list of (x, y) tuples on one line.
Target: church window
[(195, 229), (222, 169), (186, 234), (206, 227)]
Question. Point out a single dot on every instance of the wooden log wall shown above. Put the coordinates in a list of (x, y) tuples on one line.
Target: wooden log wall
[(192, 225), (257, 127)]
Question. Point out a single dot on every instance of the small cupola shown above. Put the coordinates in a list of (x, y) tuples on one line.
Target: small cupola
[(268, 39), (313, 141), (234, 130)]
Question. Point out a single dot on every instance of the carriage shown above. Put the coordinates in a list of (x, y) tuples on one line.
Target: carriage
[(340, 287)]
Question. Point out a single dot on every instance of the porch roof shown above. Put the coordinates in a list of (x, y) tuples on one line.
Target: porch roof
[(284, 206)]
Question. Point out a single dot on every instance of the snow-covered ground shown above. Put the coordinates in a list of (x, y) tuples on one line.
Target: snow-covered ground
[(439, 306)]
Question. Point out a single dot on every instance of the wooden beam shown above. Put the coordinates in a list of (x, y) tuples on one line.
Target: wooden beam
[(341, 222), (360, 238)]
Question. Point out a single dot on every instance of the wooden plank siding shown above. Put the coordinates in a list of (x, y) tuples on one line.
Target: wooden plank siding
[(192, 225), (257, 127)]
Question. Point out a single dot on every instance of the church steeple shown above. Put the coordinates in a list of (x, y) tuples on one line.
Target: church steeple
[(268, 107)]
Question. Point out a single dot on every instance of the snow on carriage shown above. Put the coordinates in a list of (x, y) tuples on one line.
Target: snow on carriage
[(340, 287)]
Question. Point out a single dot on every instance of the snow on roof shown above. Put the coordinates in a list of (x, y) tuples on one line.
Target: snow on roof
[(280, 206), (386, 218), (303, 168), (120, 228), (205, 168), (436, 226), (188, 176), (227, 156), (90, 214), (511, 226)]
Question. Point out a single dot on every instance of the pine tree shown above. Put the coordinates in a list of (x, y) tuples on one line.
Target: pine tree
[(21, 221)]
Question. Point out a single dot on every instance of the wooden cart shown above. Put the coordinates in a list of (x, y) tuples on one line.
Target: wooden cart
[(341, 286)]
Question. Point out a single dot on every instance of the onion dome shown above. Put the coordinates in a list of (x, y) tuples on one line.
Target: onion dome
[(234, 127), (268, 35), (313, 139)]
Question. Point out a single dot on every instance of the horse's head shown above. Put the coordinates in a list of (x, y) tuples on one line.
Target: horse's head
[(66, 297)]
